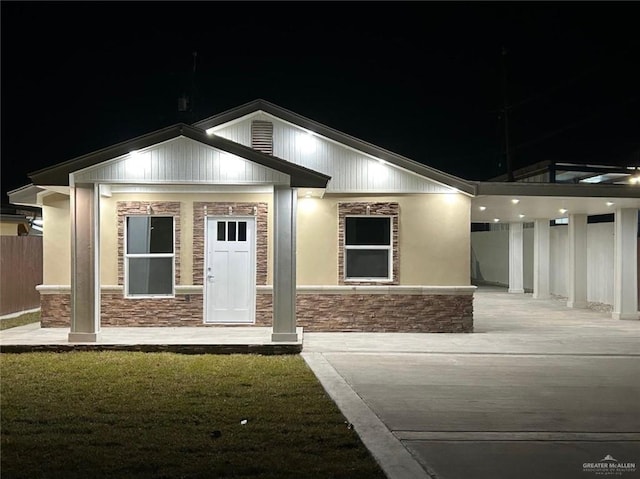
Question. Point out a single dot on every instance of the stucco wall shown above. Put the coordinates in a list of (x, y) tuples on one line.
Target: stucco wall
[(433, 238), (8, 229), (109, 230), (56, 248)]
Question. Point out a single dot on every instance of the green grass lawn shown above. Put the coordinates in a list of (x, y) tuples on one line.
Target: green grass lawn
[(21, 320), (164, 415)]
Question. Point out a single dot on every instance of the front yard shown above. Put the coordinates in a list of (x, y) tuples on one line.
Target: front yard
[(164, 415)]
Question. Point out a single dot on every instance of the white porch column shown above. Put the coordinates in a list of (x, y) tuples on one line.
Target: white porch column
[(541, 259), (85, 263), (625, 286), (516, 262), (284, 264), (577, 274)]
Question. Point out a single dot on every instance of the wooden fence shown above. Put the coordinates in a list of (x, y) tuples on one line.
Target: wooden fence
[(20, 273)]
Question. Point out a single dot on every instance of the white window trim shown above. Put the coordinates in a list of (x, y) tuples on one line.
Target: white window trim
[(389, 278), (127, 256)]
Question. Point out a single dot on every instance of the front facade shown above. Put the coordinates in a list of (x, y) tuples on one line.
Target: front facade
[(257, 216)]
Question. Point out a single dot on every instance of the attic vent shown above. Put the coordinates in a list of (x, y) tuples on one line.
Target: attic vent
[(262, 136)]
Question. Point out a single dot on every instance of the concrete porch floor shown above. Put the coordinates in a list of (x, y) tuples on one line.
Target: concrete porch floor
[(214, 340)]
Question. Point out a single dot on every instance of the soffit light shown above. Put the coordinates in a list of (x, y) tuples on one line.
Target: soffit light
[(515, 201), (562, 210), (482, 208), (495, 220), (610, 203), (520, 216)]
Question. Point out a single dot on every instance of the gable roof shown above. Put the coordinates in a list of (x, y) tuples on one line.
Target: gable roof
[(338, 136), (59, 174)]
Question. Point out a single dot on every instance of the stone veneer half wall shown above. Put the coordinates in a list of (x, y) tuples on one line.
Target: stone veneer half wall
[(330, 308)]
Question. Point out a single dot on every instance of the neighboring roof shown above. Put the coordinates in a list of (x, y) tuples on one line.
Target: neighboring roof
[(335, 135), (25, 196), (571, 172), (59, 174)]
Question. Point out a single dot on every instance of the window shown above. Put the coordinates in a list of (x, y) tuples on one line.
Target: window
[(149, 256), (227, 231), (368, 251)]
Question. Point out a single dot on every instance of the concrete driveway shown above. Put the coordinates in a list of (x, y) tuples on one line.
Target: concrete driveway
[(539, 391)]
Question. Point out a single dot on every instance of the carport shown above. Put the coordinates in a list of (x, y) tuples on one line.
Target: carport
[(512, 206)]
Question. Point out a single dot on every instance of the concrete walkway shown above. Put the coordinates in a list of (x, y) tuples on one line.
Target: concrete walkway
[(539, 391)]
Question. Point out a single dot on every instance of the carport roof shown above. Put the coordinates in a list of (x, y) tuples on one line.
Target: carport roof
[(518, 202)]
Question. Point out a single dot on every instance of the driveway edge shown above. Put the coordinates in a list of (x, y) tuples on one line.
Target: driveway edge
[(394, 459)]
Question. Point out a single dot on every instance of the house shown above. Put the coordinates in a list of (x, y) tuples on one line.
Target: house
[(260, 216)]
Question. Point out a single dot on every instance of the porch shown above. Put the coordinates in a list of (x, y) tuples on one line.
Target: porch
[(185, 340)]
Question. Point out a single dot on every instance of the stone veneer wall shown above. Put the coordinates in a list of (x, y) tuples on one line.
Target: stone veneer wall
[(55, 310), (157, 208), (237, 209), (415, 313), (365, 312), (360, 208), (424, 313)]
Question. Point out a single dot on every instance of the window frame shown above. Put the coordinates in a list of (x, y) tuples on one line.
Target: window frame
[(389, 248), (126, 256)]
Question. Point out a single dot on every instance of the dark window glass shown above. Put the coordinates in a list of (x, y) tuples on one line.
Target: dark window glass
[(232, 230), (149, 276), (222, 227), (242, 231), (367, 263), (149, 234), (368, 231)]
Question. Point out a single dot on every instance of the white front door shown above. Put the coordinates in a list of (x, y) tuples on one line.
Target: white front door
[(230, 270)]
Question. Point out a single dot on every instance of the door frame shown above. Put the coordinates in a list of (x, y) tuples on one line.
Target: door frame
[(253, 258)]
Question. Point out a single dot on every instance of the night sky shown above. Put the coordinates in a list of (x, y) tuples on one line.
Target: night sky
[(422, 79)]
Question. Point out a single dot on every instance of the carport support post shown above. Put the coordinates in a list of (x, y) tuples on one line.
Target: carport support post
[(541, 259), (85, 263), (625, 284), (284, 264), (516, 268), (577, 274)]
